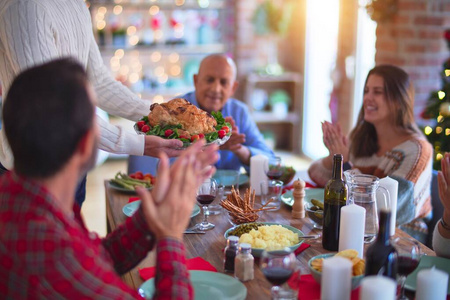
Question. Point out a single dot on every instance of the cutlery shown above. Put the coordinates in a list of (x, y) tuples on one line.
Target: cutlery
[(194, 231), (312, 236)]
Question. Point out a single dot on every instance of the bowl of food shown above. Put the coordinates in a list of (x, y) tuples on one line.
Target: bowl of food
[(315, 213), (358, 265), (288, 174), (267, 236), (242, 218)]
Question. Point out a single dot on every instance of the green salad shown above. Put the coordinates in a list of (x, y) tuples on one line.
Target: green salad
[(222, 129)]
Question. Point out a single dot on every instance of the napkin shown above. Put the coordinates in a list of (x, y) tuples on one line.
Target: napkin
[(302, 248), (310, 289), (196, 263), (291, 187), (132, 199)]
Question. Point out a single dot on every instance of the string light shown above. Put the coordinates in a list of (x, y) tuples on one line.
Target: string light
[(159, 71), (156, 56), (154, 9), (179, 2), (117, 10), (102, 10), (175, 70), (115, 61), (133, 78), (99, 16), (428, 130), (124, 70), (447, 131), (163, 79), (134, 40), (174, 57), (439, 156), (131, 30), (119, 53), (447, 72), (441, 95), (101, 25), (438, 130), (440, 118)]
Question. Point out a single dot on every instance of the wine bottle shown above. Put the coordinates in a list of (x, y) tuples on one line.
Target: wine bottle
[(335, 197), (381, 257)]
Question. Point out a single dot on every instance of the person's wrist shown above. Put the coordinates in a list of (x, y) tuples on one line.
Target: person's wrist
[(178, 237)]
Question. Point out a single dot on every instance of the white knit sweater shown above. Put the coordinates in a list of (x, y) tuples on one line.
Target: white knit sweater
[(36, 31)]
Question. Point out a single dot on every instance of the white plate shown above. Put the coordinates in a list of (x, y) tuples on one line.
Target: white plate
[(207, 286), (310, 193), (219, 142), (130, 208)]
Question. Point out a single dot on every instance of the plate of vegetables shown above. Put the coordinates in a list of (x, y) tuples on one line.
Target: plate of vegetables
[(219, 136), (127, 183)]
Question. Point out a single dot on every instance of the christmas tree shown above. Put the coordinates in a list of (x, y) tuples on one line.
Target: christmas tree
[(438, 109)]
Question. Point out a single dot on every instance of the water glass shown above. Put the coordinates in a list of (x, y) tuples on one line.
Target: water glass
[(271, 193)]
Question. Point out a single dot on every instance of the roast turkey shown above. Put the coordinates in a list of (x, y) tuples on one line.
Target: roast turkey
[(180, 111)]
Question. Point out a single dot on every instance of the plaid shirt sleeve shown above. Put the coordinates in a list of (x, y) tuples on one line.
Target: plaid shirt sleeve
[(172, 276), (129, 243)]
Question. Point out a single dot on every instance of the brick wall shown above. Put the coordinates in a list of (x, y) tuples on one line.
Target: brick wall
[(414, 41)]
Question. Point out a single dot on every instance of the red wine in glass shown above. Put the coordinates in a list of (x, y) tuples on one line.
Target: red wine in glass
[(405, 265), (274, 174), (277, 275), (205, 199)]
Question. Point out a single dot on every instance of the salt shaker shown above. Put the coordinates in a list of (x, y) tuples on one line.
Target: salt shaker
[(298, 208), (243, 263), (230, 253)]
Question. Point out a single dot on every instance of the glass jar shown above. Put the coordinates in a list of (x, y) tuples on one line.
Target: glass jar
[(230, 253), (243, 263)]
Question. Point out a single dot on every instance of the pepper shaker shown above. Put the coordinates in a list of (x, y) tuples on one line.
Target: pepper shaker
[(298, 208), (230, 253)]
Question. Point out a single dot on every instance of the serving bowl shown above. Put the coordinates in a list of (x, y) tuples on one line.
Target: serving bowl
[(258, 251), (288, 174), (316, 215), (356, 280)]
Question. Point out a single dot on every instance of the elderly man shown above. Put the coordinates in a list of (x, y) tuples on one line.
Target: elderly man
[(45, 251), (215, 84)]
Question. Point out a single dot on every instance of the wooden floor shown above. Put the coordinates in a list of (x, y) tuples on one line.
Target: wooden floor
[(93, 209)]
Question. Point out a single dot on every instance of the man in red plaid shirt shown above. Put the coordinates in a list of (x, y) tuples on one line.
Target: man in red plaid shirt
[(45, 250)]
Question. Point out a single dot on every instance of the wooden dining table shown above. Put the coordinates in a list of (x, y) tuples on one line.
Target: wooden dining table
[(210, 245)]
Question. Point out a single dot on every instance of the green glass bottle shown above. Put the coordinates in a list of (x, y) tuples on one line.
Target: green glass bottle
[(335, 197)]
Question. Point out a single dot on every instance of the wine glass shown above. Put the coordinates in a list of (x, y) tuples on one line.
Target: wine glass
[(274, 168), (277, 266), (206, 194), (408, 256)]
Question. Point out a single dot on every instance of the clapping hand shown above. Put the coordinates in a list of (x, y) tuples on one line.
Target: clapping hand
[(335, 140), (444, 182), (168, 208)]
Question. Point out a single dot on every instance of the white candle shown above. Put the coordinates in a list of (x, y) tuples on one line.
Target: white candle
[(391, 185), (431, 284), (336, 282), (257, 173), (351, 228), (377, 288)]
